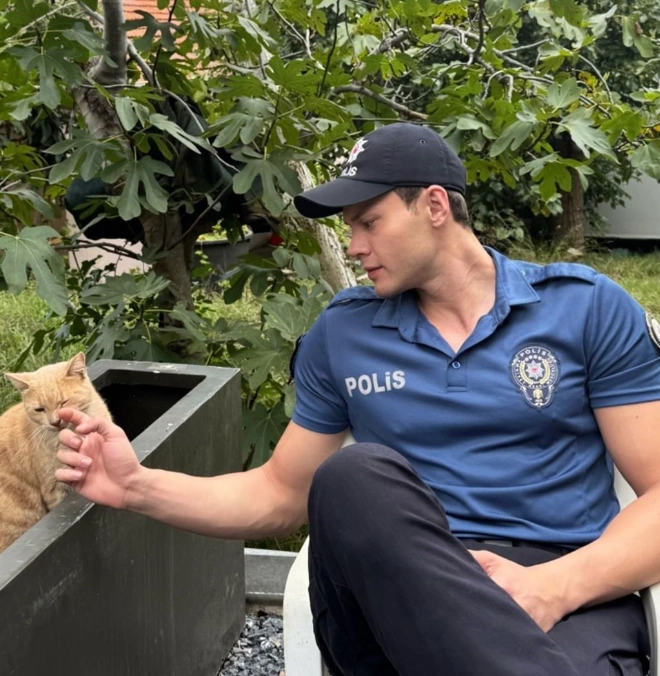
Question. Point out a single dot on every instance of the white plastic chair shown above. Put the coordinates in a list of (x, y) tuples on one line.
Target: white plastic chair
[(302, 656)]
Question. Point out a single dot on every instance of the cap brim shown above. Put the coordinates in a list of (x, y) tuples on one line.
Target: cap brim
[(330, 198)]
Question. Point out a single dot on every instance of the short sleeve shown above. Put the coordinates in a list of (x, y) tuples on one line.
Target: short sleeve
[(622, 359), (319, 406)]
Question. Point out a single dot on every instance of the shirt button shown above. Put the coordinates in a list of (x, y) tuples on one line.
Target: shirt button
[(456, 364)]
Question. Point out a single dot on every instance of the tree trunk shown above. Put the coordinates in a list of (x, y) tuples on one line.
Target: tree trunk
[(335, 268), (163, 237), (570, 224), (116, 45), (99, 115)]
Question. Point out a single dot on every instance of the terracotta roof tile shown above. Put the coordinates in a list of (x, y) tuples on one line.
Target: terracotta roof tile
[(150, 6)]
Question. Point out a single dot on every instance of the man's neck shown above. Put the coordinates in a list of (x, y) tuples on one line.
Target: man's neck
[(462, 291)]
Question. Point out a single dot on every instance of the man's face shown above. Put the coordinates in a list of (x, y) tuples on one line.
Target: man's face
[(393, 242)]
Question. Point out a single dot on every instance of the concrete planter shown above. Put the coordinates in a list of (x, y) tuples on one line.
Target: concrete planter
[(91, 591), (266, 571), (221, 253)]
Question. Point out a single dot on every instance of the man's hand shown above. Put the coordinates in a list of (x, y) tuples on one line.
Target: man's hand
[(531, 587), (101, 463)]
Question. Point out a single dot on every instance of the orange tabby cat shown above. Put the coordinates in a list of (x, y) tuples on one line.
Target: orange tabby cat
[(29, 441)]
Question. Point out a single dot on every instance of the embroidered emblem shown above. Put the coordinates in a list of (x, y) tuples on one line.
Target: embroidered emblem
[(654, 329), (535, 371), (356, 150)]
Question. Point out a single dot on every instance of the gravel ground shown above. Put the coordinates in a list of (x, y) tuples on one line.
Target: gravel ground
[(259, 650)]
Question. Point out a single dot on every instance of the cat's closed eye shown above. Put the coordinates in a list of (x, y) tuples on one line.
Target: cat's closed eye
[(39, 410), (62, 403)]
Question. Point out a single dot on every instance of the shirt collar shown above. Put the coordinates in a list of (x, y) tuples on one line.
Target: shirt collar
[(512, 288), (512, 282)]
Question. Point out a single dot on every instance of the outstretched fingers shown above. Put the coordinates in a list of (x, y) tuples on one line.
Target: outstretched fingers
[(74, 460), (70, 439), (77, 463), (69, 476)]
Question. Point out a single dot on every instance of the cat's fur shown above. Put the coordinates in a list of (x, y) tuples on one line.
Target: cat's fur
[(29, 441)]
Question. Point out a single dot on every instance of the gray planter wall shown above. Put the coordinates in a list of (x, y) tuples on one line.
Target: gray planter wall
[(91, 591)]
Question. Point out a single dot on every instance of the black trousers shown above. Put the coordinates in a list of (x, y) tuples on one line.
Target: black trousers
[(393, 592)]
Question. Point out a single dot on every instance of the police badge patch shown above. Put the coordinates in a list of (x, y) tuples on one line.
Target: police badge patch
[(654, 329), (535, 371)]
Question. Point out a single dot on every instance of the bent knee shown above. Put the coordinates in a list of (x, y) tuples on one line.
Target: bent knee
[(350, 460), (348, 473)]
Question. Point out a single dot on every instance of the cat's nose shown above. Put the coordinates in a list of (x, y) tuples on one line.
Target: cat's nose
[(58, 424)]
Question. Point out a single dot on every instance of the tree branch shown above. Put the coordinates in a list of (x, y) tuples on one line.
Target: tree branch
[(293, 30), (598, 74), (474, 56), (199, 218), (399, 36), (116, 45), (364, 91), (480, 43), (56, 10), (10, 216), (528, 70), (522, 48), (133, 53), (327, 62), (264, 55), (193, 117), (160, 44), (142, 64), (105, 246)]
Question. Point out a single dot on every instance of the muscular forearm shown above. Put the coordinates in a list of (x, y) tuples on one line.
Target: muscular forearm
[(625, 559), (243, 505)]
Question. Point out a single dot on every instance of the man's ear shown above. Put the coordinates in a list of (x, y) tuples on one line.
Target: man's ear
[(438, 204)]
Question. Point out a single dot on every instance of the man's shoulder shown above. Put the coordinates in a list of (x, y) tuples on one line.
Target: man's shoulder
[(355, 294), (336, 324), (538, 274)]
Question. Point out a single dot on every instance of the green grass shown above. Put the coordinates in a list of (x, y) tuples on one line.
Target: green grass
[(288, 543), (637, 273), (20, 317), (246, 309)]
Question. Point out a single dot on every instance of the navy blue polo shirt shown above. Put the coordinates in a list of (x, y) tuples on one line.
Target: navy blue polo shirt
[(502, 430)]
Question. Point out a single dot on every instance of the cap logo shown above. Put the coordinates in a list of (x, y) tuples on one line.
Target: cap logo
[(357, 149)]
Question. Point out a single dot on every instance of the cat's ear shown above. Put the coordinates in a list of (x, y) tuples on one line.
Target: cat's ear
[(18, 380), (76, 365)]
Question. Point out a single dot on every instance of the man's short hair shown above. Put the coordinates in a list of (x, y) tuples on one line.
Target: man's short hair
[(457, 203)]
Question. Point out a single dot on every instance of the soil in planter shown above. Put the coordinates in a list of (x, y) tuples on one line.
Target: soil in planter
[(136, 406)]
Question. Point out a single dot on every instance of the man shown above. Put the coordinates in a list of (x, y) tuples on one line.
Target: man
[(473, 529)]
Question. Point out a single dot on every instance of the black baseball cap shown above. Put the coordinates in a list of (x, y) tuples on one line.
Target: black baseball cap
[(398, 154)]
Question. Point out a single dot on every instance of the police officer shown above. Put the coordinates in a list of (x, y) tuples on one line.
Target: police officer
[(473, 528)]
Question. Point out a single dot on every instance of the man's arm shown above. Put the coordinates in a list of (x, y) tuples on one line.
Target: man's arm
[(269, 500), (626, 558)]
